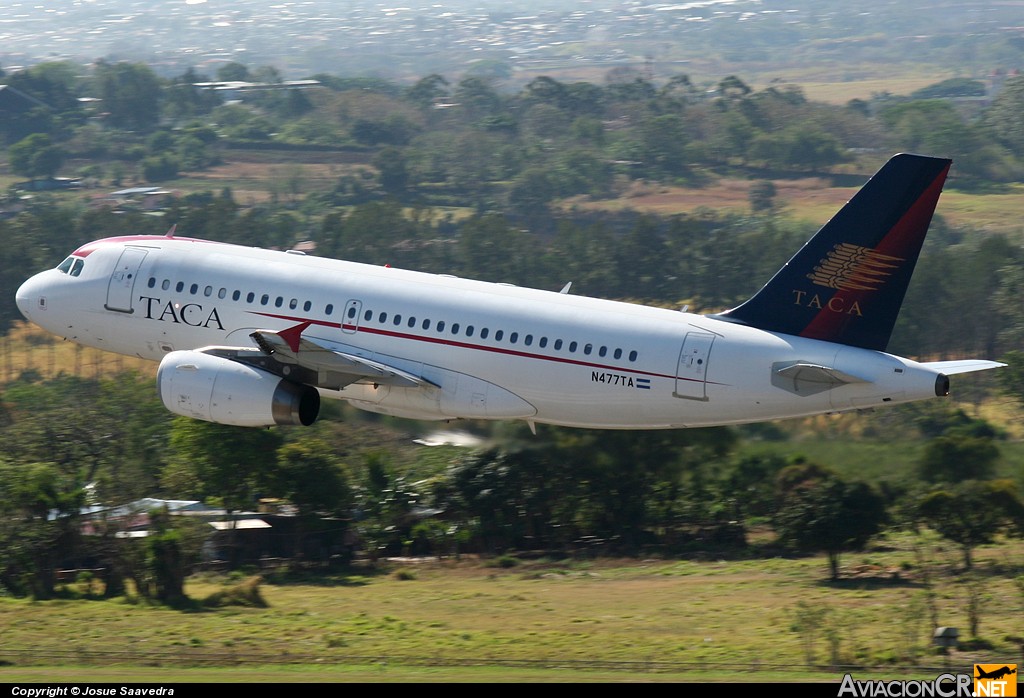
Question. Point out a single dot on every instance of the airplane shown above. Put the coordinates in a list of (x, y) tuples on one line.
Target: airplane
[(995, 674), (254, 337)]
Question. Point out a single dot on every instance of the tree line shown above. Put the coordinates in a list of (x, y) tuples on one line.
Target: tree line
[(76, 451), (71, 443)]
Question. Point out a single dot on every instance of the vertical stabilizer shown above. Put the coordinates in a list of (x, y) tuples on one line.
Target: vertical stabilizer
[(847, 283)]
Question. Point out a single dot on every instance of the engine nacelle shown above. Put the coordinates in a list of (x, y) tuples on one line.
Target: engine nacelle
[(216, 389)]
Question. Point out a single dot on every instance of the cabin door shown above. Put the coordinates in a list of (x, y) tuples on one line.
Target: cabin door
[(122, 281), (692, 372)]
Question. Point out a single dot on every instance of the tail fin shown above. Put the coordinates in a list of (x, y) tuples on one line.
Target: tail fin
[(847, 283)]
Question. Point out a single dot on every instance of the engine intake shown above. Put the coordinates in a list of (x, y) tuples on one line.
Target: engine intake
[(216, 389)]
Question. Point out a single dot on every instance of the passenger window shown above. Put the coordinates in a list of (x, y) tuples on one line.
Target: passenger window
[(469, 330), (426, 324), (180, 286), (543, 342), (236, 295), (264, 299), (498, 335), (293, 304), (382, 318), (368, 315), (558, 345), (250, 297), (602, 351), (398, 320), (572, 347), (440, 326), (166, 284), (222, 293), (412, 322), (193, 289), (278, 302), (528, 340), (618, 353), (484, 332), (208, 291), (632, 355), (152, 282), (455, 328), (587, 349), (307, 305)]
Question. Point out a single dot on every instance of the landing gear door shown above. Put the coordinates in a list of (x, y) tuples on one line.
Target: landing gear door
[(122, 280), (691, 374)]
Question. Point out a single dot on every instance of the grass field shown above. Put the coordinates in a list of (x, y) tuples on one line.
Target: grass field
[(813, 200), (574, 620)]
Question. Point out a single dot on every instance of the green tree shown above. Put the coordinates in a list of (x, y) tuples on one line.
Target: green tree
[(957, 456), (1005, 118), (394, 174), (428, 91), (232, 464), (36, 156), (131, 94), (310, 477), (973, 513), (233, 72), (818, 511), (184, 99), (39, 523)]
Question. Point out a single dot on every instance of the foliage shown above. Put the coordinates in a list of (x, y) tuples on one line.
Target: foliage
[(955, 457), (819, 511), (508, 157), (973, 512), (245, 593), (35, 156)]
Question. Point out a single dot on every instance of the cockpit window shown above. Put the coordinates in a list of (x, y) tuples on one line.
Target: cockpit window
[(72, 266)]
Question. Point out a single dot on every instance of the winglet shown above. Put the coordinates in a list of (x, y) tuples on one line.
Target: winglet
[(846, 285), (292, 335)]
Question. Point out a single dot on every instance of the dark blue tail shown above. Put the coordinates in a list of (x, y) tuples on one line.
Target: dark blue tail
[(847, 283)]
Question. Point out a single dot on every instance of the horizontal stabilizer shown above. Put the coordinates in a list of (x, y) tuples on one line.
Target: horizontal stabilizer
[(809, 379), (951, 368)]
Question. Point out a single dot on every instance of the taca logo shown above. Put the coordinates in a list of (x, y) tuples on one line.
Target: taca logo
[(854, 268), (191, 314)]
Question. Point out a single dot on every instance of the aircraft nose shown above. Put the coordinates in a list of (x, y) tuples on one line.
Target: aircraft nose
[(30, 298)]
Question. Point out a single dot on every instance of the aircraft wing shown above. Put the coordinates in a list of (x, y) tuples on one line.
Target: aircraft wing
[(951, 368), (333, 369)]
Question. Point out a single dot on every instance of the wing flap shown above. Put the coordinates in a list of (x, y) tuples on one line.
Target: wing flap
[(336, 368)]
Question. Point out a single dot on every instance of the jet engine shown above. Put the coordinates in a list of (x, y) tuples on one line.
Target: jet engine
[(216, 389)]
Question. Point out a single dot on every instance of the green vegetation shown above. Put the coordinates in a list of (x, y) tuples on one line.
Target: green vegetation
[(525, 536), (667, 618)]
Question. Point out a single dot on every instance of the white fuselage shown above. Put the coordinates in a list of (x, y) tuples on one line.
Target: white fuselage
[(492, 350)]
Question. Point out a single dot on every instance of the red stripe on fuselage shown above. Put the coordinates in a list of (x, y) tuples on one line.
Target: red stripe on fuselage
[(478, 347)]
